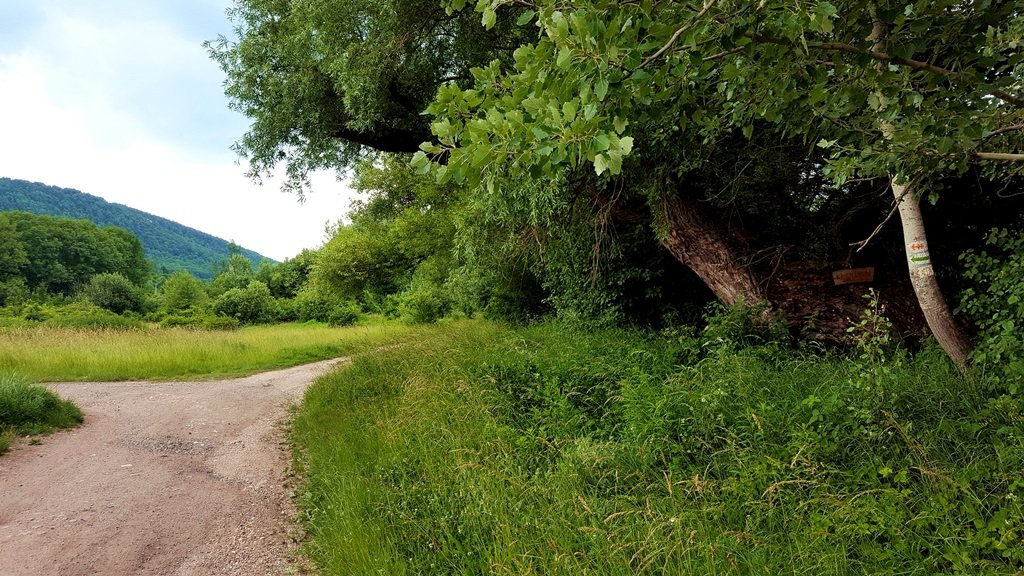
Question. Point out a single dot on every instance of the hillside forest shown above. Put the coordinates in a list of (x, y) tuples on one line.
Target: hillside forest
[(169, 245)]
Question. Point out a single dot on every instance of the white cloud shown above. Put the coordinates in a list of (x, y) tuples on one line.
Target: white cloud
[(114, 101)]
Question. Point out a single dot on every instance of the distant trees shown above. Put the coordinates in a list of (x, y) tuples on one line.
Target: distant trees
[(13, 256), (61, 255), (170, 245)]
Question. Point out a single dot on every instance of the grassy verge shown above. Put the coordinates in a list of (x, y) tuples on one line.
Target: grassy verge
[(44, 354), (476, 449), (27, 409)]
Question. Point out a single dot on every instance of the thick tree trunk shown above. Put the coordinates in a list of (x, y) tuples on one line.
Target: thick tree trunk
[(693, 237), (947, 331)]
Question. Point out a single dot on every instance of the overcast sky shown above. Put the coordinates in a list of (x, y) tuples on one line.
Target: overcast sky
[(118, 98)]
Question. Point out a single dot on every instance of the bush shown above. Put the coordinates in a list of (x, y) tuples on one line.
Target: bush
[(30, 409), (311, 306), (286, 310), (87, 316), (424, 305), (182, 291), (252, 305), (199, 319), (995, 303), (113, 292), (344, 314)]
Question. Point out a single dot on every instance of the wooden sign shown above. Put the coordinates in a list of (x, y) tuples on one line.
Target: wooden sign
[(853, 276)]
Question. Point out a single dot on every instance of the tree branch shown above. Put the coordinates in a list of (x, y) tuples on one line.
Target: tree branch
[(999, 156), (678, 33), (1005, 129)]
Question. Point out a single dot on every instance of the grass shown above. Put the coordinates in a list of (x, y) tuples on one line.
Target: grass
[(478, 449), (28, 409), (50, 354)]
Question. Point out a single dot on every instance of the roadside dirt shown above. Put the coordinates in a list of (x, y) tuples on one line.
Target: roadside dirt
[(183, 479)]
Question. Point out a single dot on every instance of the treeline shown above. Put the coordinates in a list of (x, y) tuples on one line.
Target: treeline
[(46, 255), (70, 272)]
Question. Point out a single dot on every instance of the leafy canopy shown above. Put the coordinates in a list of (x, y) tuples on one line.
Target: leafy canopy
[(946, 86)]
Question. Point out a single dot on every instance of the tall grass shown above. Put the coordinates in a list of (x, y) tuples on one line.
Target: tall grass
[(477, 449), (31, 409), (44, 354)]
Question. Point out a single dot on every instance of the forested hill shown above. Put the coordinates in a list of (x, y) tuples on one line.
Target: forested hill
[(169, 245)]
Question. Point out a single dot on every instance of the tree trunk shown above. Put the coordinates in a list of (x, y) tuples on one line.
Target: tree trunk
[(693, 238), (944, 327)]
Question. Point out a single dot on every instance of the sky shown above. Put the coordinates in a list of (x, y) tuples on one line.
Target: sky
[(118, 99)]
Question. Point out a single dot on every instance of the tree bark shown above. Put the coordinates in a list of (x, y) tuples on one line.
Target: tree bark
[(693, 237), (947, 331)]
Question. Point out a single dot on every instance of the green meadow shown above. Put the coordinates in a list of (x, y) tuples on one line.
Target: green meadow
[(43, 354)]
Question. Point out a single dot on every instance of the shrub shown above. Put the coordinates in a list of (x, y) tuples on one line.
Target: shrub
[(35, 312), (424, 304), (995, 303), (113, 292), (741, 326), (313, 306), (286, 310), (344, 314), (199, 319), (86, 316), (252, 305), (182, 291), (14, 291)]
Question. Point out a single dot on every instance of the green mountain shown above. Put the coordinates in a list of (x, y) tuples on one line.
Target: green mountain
[(169, 245)]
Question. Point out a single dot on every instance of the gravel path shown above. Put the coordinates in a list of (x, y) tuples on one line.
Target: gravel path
[(184, 478)]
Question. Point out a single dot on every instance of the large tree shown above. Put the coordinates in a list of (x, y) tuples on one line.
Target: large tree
[(665, 104), (914, 92)]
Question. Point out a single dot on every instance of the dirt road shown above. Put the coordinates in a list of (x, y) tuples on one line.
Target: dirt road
[(165, 479)]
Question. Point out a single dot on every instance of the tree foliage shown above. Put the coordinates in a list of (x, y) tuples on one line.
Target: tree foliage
[(580, 147), (602, 73), (182, 291), (322, 80), (114, 292), (61, 255)]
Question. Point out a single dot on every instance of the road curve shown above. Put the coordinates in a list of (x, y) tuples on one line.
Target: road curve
[(181, 478)]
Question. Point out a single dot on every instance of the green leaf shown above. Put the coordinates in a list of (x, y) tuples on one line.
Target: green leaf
[(626, 144), (600, 142), (614, 163), (564, 58), (539, 132), (600, 164), (490, 17), (525, 18), (569, 110), (601, 89), (420, 162), (620, 125)]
